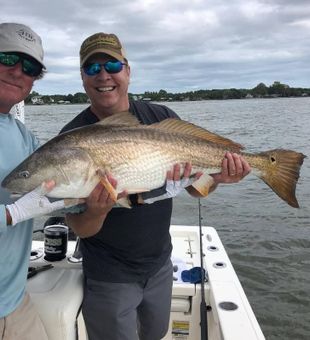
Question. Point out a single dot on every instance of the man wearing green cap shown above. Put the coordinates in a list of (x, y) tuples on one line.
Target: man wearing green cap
[(21, 63), (126, 252)]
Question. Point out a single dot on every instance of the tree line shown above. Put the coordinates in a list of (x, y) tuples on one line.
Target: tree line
[(277, 89)]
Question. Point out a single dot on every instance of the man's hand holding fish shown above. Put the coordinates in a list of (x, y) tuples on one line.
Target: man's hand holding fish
[(35, 204)]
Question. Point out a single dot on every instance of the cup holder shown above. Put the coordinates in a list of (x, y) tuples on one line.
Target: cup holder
[(36, 254)]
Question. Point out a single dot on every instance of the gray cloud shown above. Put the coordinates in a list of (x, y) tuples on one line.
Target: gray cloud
[(175, 45)]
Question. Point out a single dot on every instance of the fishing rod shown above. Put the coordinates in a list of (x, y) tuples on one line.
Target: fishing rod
[(203, 305)]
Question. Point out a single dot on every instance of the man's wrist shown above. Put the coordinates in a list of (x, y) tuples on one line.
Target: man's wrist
[(8, 217), (136, 199), (140, 199)]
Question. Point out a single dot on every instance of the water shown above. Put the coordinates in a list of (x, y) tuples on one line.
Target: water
[(268, 241)]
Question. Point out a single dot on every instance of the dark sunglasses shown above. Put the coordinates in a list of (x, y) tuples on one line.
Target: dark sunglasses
[(110, 67), (30, 66)]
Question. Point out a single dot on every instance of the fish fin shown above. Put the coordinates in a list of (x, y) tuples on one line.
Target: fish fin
[(70, 202), (181, 126), (201, 186), (64, 175), (124, 118), (124, 202), (104, 181), (282, 173)]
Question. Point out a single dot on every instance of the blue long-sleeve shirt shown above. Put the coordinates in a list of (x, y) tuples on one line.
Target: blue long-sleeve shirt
[(15, 241)]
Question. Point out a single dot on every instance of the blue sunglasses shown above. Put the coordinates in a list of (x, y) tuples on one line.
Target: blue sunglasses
[(110, 66)]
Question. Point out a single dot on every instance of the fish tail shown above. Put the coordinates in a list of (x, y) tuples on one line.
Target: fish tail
[(282, 172)]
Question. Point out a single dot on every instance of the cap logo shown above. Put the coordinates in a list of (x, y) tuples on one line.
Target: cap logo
[(109, 41), (26, 35)]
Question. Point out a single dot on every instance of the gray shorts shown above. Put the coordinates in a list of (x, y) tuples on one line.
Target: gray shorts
[(129, 311), (22, 324)]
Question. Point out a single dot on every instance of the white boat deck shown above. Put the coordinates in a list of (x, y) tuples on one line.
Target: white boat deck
[(58, 293)]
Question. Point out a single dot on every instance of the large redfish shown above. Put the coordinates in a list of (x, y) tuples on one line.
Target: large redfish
[(138, 157)]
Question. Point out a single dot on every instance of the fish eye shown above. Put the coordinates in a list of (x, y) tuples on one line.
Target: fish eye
[(24, 174)]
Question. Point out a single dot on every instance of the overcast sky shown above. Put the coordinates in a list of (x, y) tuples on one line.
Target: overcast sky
[(175, 45)]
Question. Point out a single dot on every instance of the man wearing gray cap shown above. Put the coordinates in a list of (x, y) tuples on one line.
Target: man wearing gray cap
[(21, 63)]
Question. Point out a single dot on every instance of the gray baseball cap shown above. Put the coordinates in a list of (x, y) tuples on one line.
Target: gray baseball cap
[(21, 38)]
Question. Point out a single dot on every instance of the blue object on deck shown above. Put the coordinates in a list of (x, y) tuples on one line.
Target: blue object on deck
[(193, 275)]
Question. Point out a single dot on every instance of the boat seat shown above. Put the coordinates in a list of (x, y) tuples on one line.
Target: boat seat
[(57, 294)]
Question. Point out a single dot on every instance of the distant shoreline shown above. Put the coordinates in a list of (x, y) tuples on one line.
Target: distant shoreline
[(276, 90), (183, 100)]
